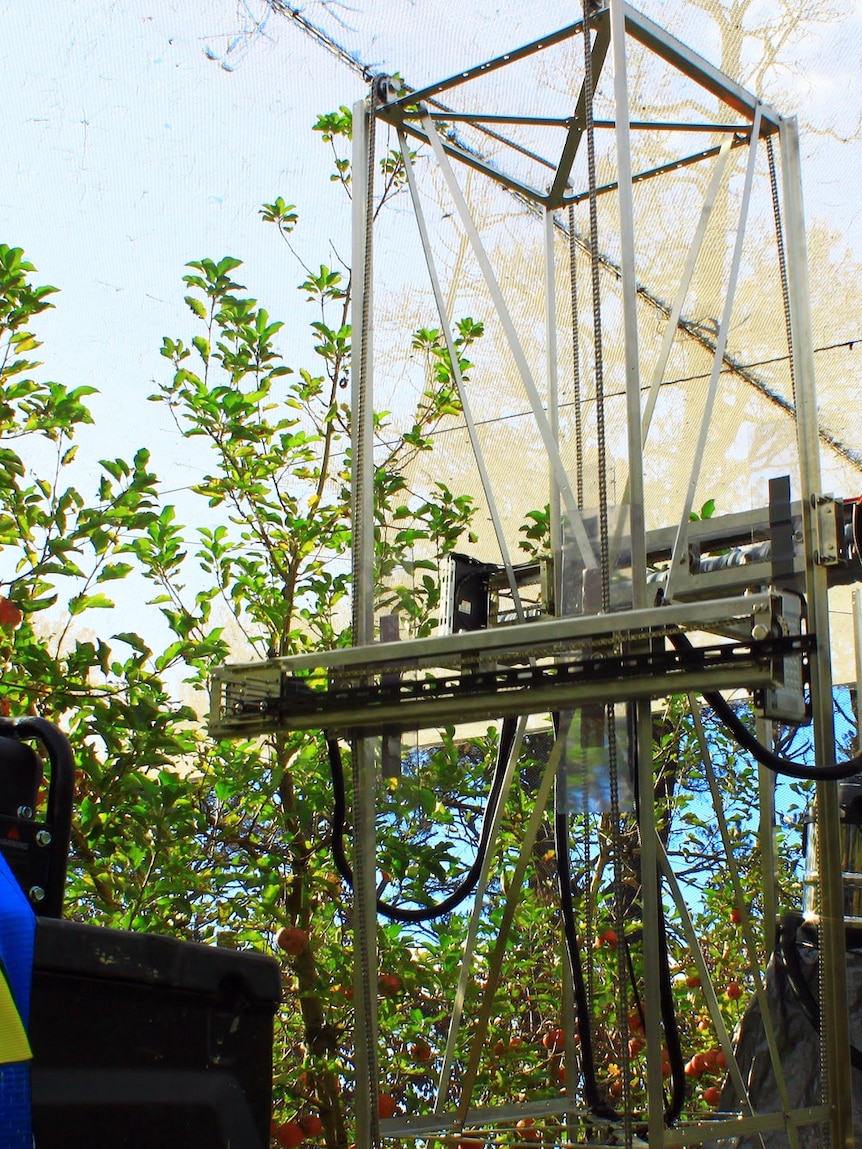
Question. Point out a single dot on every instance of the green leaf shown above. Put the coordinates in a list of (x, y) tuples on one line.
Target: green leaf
[(81, 602)]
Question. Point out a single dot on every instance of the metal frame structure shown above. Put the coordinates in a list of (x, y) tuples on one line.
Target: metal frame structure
[(574, 661)]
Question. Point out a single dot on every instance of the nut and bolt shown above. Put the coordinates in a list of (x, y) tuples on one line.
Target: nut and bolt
[(37, 894)]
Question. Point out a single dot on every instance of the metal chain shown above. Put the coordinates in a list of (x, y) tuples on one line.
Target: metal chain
[(576, 362), (604, 542), (589, 131), (782, 263)]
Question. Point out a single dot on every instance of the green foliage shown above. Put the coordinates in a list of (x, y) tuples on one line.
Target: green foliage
[(280, 213), (706, 511), (173, 832), (537, 532)]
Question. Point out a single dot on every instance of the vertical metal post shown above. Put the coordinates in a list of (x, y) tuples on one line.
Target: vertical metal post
[(629, 299), (835, 1038), (766, 836), (553, 398), (649, 855), (362, 508), (568, 992)]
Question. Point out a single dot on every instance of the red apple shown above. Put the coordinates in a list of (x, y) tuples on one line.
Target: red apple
[(734, 991), (420, 1050), (311, 1124), (289, 1135), (389, 984), (386, 1105), (292, 940), (11, 616), (636, 1024), (554, 1040), (606, 938), (712, 1095), (526, 1129)]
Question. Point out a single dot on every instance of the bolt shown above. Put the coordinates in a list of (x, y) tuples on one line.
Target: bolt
[(37, 894), (759, 631), (25, 812), (43, 838)]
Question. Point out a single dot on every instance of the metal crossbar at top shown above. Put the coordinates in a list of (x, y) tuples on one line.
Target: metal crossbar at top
[(402, 110)]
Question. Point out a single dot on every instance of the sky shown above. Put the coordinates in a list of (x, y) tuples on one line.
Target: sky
[(128, 152)]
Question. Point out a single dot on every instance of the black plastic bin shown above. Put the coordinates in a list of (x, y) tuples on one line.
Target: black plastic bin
[(148, 1042)]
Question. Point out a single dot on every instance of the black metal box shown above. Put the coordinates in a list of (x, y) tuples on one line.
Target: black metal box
[(147, 1042)]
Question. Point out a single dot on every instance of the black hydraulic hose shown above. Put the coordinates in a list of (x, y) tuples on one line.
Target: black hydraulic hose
[(763, 754), (666, 999), (468, 883), (570, 935), (787, 953), (671, 1029)]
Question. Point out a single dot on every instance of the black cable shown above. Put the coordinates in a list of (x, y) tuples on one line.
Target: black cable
[(468, 883), (674, 1106), (668, 1012), (671, 1029), (763, 754), (570, 936)]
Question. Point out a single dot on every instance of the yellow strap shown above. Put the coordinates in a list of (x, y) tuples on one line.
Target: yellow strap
[(14, 1045)]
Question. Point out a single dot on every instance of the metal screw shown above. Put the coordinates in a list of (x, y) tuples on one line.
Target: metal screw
[(759, 631), (37, 894), (43, 838), (25, 812)]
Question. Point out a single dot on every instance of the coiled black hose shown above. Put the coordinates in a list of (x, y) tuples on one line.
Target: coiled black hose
[(570, 936), (583, 1021), (763, 754), (468, 883)]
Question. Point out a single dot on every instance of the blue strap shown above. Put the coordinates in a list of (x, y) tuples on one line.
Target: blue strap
[(17, 937)]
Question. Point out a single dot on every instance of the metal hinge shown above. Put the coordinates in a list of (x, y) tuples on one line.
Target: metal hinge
[(828, 530)]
